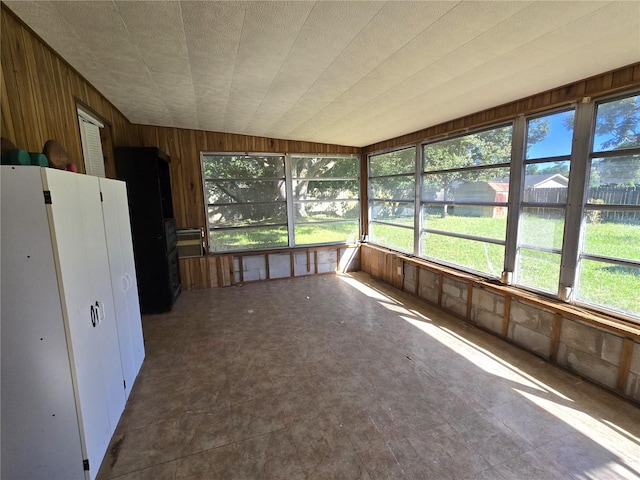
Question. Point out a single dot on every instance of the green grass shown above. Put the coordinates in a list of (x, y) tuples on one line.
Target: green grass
[(600, 283), (272, 237), (311, 234), (620, 240)]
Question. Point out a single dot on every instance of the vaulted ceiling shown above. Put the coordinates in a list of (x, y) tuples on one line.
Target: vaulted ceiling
[(342, 72)]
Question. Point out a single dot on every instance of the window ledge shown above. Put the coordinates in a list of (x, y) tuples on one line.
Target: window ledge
[(620, 326)]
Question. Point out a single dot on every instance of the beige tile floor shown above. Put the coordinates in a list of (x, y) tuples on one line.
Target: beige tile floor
[(331, 377)]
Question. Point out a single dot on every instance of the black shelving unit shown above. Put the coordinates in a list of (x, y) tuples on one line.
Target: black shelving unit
[(146, 172)]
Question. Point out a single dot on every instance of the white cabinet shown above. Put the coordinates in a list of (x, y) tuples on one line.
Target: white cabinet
[(70, 342), (117, 226)]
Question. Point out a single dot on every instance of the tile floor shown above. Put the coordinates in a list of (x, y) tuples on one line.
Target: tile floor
[(325, 377)]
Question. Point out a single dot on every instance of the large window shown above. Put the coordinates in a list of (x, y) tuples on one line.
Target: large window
[(246, 201), (609, 268), (392, 199), (271, 201), (326, 203), (550, 202), (544, 200), (465, 188)]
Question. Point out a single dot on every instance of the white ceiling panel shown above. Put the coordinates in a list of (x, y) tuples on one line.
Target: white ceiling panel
[(350, 73)]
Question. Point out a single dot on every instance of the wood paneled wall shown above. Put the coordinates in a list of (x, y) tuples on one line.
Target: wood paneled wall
[(184, 147), (39, 93), (617, 80)]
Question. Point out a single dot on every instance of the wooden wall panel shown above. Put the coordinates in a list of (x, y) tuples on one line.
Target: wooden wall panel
[(610, 82), (184, 147), (39, 93)]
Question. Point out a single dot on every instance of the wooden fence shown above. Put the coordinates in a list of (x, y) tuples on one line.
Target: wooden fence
[(601, 195)]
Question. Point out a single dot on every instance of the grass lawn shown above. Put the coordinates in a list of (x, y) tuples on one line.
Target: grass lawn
[(272, 237), (600, 283)]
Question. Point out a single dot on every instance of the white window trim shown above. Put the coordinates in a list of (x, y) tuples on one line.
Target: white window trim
[(91, 144)]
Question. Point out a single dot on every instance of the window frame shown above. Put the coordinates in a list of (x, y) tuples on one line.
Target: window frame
[(211, 229), (289, 161), (521, 163), (411, 202), (575, 209), (289, 201), (587, 207), (472, 168)]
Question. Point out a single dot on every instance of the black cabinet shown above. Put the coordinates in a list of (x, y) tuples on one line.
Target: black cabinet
[(146, 172)]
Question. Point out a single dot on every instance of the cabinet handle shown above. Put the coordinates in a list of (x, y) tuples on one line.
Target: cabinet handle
[(129, 280), (94, 316), (100, 308), (124, 283)]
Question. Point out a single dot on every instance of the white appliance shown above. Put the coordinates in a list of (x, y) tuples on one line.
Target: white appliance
[(71, 335)]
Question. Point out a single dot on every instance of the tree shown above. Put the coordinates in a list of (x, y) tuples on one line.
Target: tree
[(446, 158), (618, 128), (323, 179), (233, 182), (252, 189), (392, 178), (618, 124)]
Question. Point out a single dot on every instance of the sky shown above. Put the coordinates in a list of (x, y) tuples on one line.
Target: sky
[(558, 140)]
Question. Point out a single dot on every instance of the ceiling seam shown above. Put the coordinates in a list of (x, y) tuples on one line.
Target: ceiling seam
[(329, 66), (186, 47), (146, 67), (235, 63), (457, 4), (384, 61), (281, 64), (331, 124), (70, 27)]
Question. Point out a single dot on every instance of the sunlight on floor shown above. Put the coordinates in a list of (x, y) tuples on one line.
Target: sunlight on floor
[(366, 290), (624, 445), (347, 258)]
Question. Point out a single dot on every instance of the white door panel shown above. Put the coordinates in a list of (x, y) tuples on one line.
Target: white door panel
[(98, 263), (119, 281), (39, 417), (133, 301), (78, 293)]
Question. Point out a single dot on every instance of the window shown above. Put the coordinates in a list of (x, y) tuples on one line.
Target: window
[(274, 201), (326, 203), (91, 144), (465, 189), (392, 199), (550, 203), (609, 263), (246, 201), (543, 208)]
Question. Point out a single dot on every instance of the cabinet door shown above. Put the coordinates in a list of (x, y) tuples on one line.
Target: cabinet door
[(80, 250), (98, 263), (74, 278), (133, 302), (116, 225), (40, 432)]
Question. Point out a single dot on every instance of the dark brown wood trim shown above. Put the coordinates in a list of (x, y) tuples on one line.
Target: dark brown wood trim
[(507, 314), (469, 301), (625, 365), (555, 336)]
